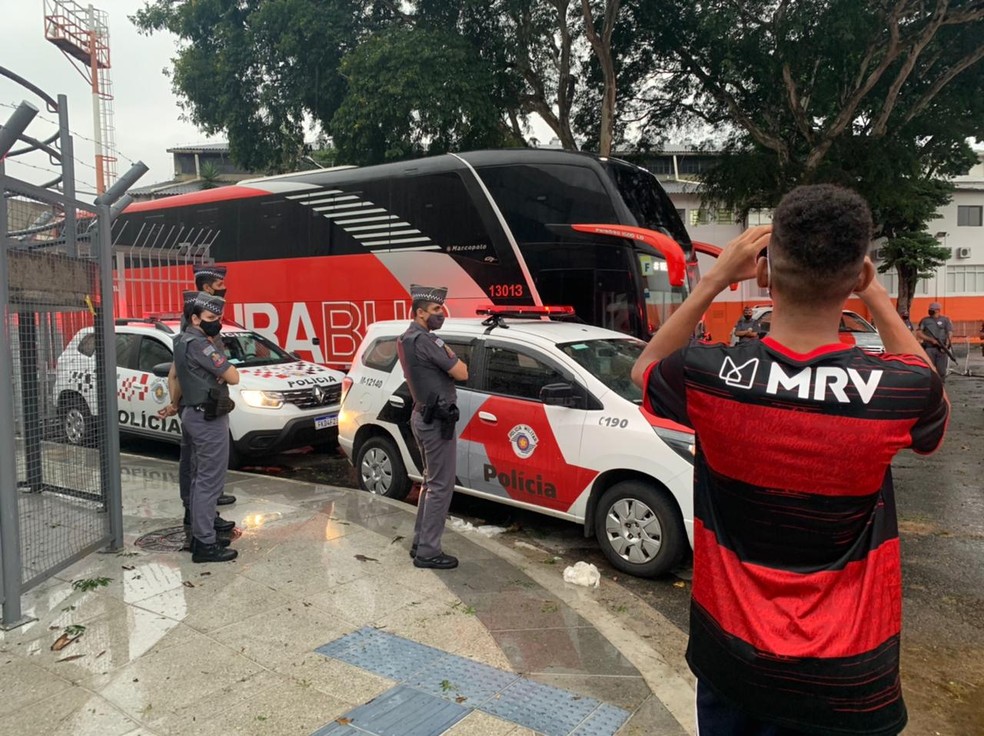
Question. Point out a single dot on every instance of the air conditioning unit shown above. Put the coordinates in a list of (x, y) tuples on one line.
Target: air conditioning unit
[(961, 252), (878, 254)]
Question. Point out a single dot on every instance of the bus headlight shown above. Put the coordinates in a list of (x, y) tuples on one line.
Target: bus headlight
[(262, 399), (682, 443)]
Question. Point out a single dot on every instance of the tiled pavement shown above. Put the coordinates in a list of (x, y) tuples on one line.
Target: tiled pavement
[(171, 647)]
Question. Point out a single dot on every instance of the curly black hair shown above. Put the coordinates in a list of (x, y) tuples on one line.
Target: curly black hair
[(820, 235)]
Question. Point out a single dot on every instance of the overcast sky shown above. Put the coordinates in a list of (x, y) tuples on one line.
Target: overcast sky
[(147, 116)]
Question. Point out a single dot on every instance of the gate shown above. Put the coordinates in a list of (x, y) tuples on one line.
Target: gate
[(59, 489)]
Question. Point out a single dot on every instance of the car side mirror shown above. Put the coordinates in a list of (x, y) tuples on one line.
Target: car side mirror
[(161, 370), (560, 394)]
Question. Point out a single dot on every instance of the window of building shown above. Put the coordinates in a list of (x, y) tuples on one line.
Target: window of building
[(759, 217), (701, 217), (965, 279), (970, 215), (724, 217)]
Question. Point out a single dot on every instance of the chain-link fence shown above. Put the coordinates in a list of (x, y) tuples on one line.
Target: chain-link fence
[(59, 443)]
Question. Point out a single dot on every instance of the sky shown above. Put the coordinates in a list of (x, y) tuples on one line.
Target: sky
[(147, 116)]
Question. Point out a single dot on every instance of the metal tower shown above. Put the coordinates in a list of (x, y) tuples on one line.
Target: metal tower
[(82, 33)]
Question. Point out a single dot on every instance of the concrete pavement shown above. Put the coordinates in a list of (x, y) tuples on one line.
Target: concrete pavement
[(323, 626)]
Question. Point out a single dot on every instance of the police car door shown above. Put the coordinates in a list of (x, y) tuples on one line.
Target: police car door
[(519, 447), (147, 394)]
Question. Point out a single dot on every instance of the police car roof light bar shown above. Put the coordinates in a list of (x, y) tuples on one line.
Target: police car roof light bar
[(676, 261), (145, 321), (497, 313)]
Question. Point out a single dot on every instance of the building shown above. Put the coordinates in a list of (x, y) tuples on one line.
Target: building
[(196, 167), (958, 286)]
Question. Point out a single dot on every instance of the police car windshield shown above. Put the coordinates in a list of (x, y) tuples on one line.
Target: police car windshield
[(610, 361), (249, 349)]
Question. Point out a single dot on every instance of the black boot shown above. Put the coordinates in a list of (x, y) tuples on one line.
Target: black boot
[(225, 500), (222, 525), (201, 552)]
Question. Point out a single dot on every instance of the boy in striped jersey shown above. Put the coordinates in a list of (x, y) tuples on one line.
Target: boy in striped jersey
[(797, 596)]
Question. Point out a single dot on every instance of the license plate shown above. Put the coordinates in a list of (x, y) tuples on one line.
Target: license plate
[(330, 420)]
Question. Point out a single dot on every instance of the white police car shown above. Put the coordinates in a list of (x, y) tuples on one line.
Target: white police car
[(550, 421), (281, 402)]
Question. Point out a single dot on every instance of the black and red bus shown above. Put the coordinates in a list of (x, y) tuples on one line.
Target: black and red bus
[(314, 257)]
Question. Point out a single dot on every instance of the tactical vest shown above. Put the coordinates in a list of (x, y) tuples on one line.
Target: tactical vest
[(194, 380)]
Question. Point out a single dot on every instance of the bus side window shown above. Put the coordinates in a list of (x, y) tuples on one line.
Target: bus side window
[(442, 209)]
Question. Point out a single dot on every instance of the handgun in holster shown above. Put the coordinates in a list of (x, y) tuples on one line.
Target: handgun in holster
[(430, 408), (218, 404)]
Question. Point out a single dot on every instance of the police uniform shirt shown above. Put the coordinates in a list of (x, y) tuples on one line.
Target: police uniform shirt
[(433, 361), (747, 324), (204, 361), (939, 327)]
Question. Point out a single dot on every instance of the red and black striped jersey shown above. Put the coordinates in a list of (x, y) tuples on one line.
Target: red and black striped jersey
[(797, 595)]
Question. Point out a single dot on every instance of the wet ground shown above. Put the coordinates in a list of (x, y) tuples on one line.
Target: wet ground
[(941, 514)]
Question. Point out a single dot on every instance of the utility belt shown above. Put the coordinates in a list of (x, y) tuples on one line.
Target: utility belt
[(218, 404), (447, 415)]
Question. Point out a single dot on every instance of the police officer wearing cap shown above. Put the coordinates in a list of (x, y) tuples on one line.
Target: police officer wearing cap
[(211, 280), (431, 368), (934, 333), (204, 375)]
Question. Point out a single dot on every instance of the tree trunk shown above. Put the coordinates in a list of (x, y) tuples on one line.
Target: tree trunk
[(601, 44), (907, 288)]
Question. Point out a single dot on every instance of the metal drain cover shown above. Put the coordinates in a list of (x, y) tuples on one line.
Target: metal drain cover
[(171, 539)]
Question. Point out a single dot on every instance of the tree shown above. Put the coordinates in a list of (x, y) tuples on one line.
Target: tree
[(914, 256), (259, 71), (880, 96), (601, 44), (412, 92)]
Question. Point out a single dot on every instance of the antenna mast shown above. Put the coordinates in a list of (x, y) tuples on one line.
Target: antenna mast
[(82, 34)]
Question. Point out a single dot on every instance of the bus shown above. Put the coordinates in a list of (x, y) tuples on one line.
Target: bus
[(315, 257)]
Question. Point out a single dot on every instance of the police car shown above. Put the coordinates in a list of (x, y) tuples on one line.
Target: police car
[(281, 402), (854, 329), (550, 422)]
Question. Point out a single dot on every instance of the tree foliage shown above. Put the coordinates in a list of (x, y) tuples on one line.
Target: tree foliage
[(914, 256), (880, 96)]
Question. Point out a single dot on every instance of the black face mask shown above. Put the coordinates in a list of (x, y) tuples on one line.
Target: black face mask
[(220, 292), (435, 321), (211, 328)]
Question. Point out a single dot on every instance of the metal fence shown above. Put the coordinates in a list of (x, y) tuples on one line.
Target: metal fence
[(59, 445)]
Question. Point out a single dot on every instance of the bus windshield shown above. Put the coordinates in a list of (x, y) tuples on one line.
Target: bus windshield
[(660, 299)]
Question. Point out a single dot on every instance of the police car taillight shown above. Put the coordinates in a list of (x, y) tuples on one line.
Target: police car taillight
[(521, 311), (346, 385)]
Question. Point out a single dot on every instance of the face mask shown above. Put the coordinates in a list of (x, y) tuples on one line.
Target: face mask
[(435, 321), (211, 328), (220, 292)]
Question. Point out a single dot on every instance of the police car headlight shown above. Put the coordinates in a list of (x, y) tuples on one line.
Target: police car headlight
[(682, 443), (263, 399)]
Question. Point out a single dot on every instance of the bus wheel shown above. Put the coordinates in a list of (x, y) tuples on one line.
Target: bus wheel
[(639, 529), (381, 469), (77, 423)]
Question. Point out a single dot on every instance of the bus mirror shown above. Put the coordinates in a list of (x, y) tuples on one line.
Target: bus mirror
[(161, 370), (676, 266)]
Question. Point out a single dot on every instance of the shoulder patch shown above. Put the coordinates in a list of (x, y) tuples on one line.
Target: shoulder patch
[(208, 349), (439, 342), (217, 358)]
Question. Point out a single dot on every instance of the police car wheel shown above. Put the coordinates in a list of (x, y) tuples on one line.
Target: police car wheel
[(76, 422), (639, 529), (381, 469)]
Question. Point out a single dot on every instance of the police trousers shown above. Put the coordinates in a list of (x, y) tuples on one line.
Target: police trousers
[(208, 445), (940, 360), (435, 494), (184, 469)]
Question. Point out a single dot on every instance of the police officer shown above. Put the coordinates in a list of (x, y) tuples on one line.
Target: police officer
[(746, 328), (211, 280), (904, 314), (204, 375), (934, 333), (431, 368)]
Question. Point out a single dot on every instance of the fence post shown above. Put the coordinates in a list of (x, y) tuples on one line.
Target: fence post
[(10, 543), (106, 379)]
